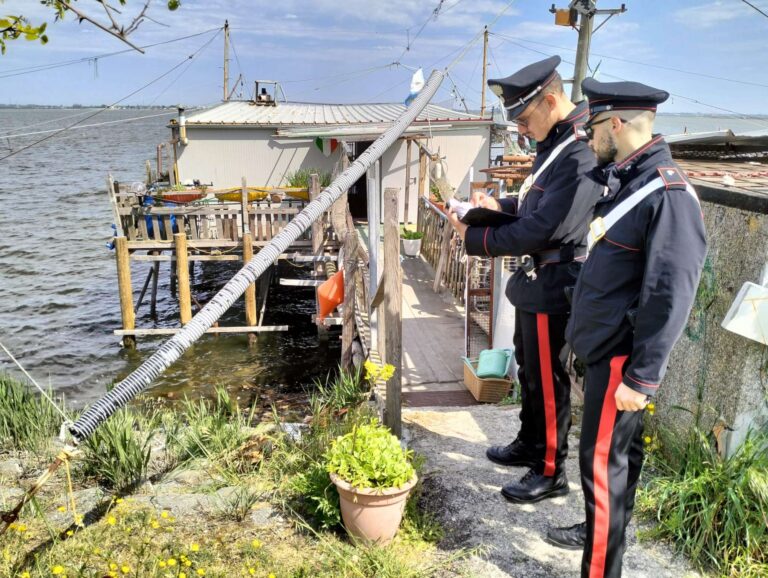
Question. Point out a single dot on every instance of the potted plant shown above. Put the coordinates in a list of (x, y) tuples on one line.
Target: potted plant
[(373, 476), (411, 242)]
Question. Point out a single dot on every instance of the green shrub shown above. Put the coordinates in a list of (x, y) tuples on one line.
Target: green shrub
[(27, 421), (370, 457), (118, 452), (300, 178), (411, 235), (716, 510)]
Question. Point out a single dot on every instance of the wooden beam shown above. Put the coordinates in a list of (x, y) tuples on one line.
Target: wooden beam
[(175, 330), (250, 292), (393, 324), (190, 258), (350, 272), (124, 288), (317, 226), (182, 276), (423, 180)]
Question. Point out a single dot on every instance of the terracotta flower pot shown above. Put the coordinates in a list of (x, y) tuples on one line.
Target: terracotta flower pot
[(372, 515)]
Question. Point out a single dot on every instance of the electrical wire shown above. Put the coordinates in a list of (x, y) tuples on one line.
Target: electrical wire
[(659, 66), (43, 67), (755, 7), (150, 83), (121, 120)]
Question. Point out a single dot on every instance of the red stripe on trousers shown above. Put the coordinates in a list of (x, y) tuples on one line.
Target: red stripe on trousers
[(548, 389), (600, 470)]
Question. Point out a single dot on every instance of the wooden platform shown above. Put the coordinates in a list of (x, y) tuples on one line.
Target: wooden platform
[(433, 342)]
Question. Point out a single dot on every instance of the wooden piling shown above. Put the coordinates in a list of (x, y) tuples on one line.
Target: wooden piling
[(350, 272), (423, 189), (393, 332), (317, 226), (251, 318), (182, 275), (125, 289), (153, 299), (408, 143)]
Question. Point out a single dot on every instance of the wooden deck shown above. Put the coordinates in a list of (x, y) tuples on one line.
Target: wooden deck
[(433, 341)]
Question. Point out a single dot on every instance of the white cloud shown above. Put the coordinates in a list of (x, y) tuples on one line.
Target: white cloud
[(712, 14)]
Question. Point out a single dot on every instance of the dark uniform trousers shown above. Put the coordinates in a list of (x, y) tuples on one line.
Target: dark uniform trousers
[(541, 353), (610, 456)]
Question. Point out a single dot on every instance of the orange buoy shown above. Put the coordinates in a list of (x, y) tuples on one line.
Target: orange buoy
[(330, 294)]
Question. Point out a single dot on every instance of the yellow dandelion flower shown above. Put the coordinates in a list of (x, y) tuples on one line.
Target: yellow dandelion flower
[(650, 406), (111, 520), (25, 574), (256, 543), (155, 524), (96, 551), (171, 562), (125, 569), (647, 439), (272, 575), (164, 514), (187, 563), (182, 575), (252, 571), (57, 570), (162, 564), (119, 501), (201, 571), (112, 566), (79, 520), (194, 547), (21, 528), (70, 533), (61, 509)]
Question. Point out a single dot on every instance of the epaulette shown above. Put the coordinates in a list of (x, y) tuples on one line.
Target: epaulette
[(673, 177)]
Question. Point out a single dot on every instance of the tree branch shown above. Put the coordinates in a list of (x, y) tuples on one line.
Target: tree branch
[(119, 33)]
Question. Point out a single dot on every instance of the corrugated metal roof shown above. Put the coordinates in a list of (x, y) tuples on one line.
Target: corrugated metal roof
[(721, 137), (309, 114)]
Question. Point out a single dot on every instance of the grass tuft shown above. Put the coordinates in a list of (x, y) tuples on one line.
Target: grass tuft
[(27, 421)]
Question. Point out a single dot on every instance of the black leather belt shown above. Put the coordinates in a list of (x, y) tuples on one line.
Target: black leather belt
[(565, 254)]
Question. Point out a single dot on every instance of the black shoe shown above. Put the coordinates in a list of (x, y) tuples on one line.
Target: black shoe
[(571, 538), (534, 487), (515, 454)]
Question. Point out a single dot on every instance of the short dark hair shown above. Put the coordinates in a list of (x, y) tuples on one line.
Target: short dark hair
[(555, 86)]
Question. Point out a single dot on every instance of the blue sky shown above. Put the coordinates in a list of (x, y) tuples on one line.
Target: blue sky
[(332, 51)]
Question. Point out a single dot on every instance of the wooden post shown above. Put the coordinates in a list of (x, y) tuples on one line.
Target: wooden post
[(350, 271), (442, 259), (153, 300), (148, 167), (393, 324), (125, 289), (423, 190), (406, 217), (244, 206), (182, 274), (250, 293), (317, 226)]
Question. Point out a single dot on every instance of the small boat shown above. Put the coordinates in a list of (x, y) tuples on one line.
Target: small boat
[(234, 194)]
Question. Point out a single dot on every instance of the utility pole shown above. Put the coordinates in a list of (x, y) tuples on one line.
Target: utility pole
[(226, 60), (485, 71), (585, 11)]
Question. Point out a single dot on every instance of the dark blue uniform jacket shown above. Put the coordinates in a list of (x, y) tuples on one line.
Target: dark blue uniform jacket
[(644, 271), (555, 213)]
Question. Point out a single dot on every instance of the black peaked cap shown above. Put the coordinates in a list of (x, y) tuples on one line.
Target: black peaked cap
[(518, 90)]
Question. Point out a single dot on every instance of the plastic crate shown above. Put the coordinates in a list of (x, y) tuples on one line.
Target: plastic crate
[(484, 390)]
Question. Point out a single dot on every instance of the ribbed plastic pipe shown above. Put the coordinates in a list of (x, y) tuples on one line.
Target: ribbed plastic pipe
[(171, 350)]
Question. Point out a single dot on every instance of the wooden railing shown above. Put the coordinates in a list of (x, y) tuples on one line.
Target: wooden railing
[(443, 249)]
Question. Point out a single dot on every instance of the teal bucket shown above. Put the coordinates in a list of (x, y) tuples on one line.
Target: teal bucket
[(494, 363)]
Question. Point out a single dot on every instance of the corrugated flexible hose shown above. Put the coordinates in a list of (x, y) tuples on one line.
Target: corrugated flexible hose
[(172, 349)]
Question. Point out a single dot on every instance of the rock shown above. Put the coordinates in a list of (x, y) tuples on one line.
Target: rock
[(188, 478), (11, 469), (180, 505), (263, 515)]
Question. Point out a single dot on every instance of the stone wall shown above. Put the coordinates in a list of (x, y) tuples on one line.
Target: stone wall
[(714, 373)]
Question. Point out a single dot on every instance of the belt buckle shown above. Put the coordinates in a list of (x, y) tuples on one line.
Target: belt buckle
[(528, 266), (597, 229)]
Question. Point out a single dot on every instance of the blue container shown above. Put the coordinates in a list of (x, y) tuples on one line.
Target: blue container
[(494, 363)]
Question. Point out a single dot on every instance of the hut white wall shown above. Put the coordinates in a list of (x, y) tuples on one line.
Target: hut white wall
[(224, 156), (463, 149)]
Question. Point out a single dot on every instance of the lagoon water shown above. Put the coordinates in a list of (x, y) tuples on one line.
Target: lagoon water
[(58, 282), (58, 286)]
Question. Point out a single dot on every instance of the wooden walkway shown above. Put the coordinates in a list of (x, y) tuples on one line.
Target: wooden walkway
[(433, 342)]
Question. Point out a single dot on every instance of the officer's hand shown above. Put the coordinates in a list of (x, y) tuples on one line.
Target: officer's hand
[(480, 199), (627, 399), (460, 227)]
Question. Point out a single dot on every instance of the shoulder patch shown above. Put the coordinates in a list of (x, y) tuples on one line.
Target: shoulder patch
[(578, 130), (672, 177)]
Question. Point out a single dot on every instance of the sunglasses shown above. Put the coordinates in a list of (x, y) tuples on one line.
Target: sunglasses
[(589, 125)]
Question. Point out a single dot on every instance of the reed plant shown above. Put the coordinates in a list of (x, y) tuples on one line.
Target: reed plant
[(28, 422), (117, 454), (212, 430), (714, 509)]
